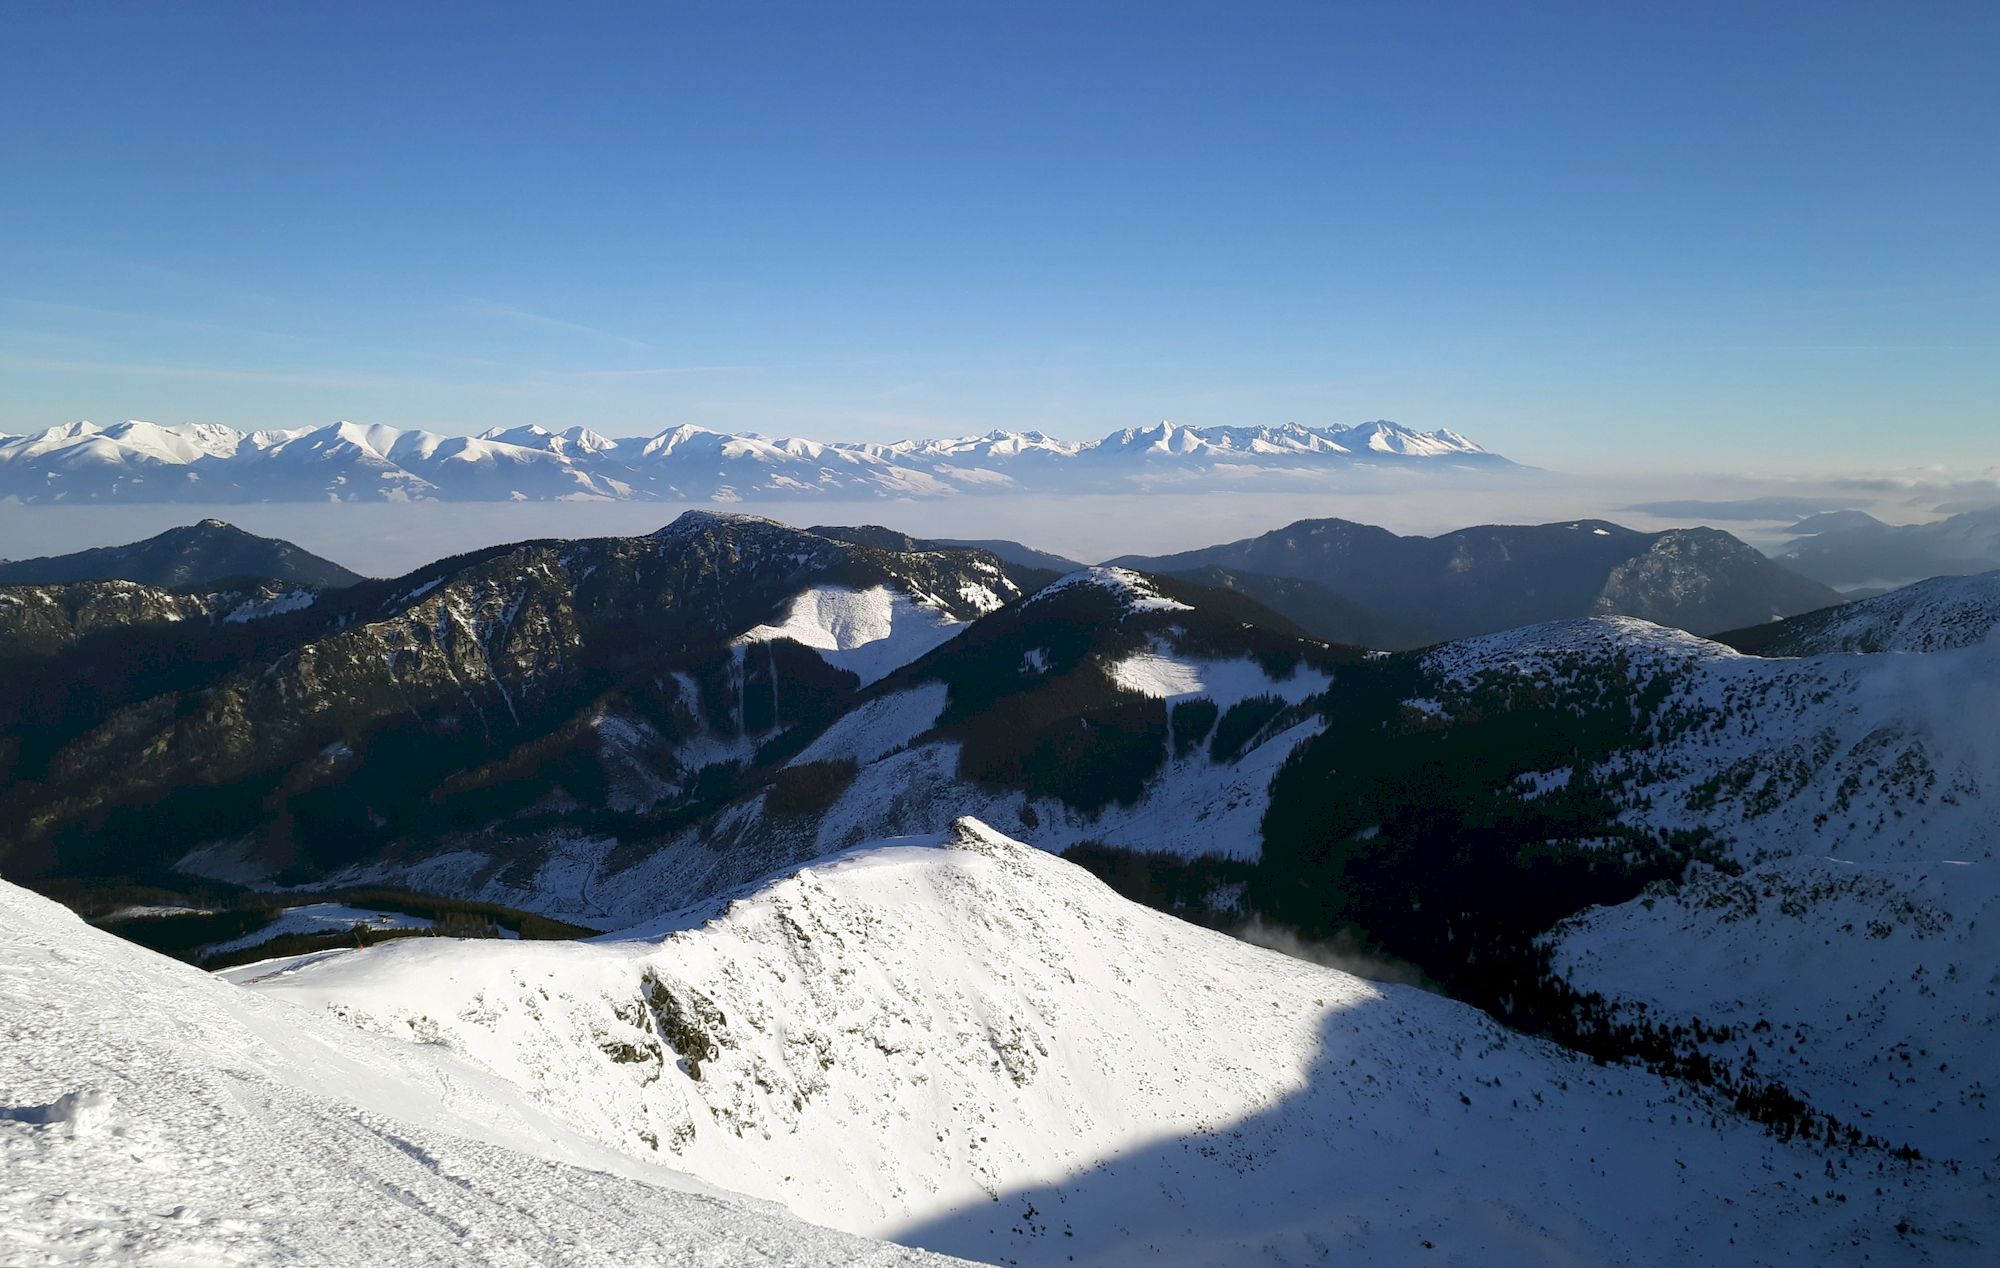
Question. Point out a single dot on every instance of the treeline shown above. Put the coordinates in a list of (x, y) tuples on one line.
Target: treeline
[(1416, 834)]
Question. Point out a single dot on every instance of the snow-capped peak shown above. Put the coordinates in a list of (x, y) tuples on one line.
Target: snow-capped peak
[(1135, 590), (697, 521), (1383, 436), (349, 461)]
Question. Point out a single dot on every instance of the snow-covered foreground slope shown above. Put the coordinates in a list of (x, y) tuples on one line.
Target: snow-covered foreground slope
[(970, 1045), (1872, 991), (151, 1114)]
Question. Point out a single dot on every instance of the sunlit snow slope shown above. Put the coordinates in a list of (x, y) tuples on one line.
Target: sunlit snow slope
[(869, 632), (151, 1114), (1855, 954), (968, 1044)]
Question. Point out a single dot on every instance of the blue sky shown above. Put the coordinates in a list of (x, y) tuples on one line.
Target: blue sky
[(1594, 236)]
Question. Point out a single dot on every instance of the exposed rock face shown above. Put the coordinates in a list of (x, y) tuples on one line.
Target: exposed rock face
[(1704, 580)]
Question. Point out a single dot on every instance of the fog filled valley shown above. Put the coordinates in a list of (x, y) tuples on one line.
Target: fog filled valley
[(743, 892)]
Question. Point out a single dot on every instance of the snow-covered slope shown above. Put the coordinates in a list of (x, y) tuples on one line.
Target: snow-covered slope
[(970, 1045), (1868, 989), (1134, 591), (866, 632), (1163, 673), (1930, 616), (1102, 642), (144, 462), (1860, 794), (151, 1114), (1868, 758)]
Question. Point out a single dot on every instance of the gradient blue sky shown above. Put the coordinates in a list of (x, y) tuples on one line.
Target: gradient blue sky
[(1591, 235)]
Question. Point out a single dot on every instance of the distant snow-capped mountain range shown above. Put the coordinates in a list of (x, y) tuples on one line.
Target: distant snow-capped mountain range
[(351, 462)]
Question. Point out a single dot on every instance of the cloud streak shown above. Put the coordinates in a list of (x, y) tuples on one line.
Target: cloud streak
[(542, 321)]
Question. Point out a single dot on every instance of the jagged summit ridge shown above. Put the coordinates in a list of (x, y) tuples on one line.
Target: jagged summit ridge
[(353, 462)]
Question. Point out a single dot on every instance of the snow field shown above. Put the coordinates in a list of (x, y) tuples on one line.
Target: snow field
[(1857, 791), (879, 727), (152, 1114), (1166, 675), (973, 1046), (870, 632)]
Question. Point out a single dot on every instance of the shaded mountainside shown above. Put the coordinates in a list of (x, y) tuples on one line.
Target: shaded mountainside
[(1852, 550), (1029, 569), (43, 620), (1017, 553), (1107, 707), (1930, 616), (1481, 580), (196, 555), (1315, 609), (477, 688), (965, 1044), (1025, 560)]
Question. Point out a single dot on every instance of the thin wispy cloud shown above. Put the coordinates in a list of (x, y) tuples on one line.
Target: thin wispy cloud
[(232, 374), (177, 321), (543, 321), (153, 270), (643, 372), (198, 326)]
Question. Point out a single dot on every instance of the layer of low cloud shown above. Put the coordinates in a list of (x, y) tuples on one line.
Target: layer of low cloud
[(388, 539)]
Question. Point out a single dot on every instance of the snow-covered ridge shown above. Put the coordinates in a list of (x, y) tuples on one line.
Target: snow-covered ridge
[(1930, 616), (970, 1045), (146, 462), (1134, 590), (1555, 648), (153, 1114), (1854, 953)]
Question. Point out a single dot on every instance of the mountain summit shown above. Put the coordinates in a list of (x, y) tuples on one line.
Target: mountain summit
[(350, 462), (191, 555), (1495, 576)]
